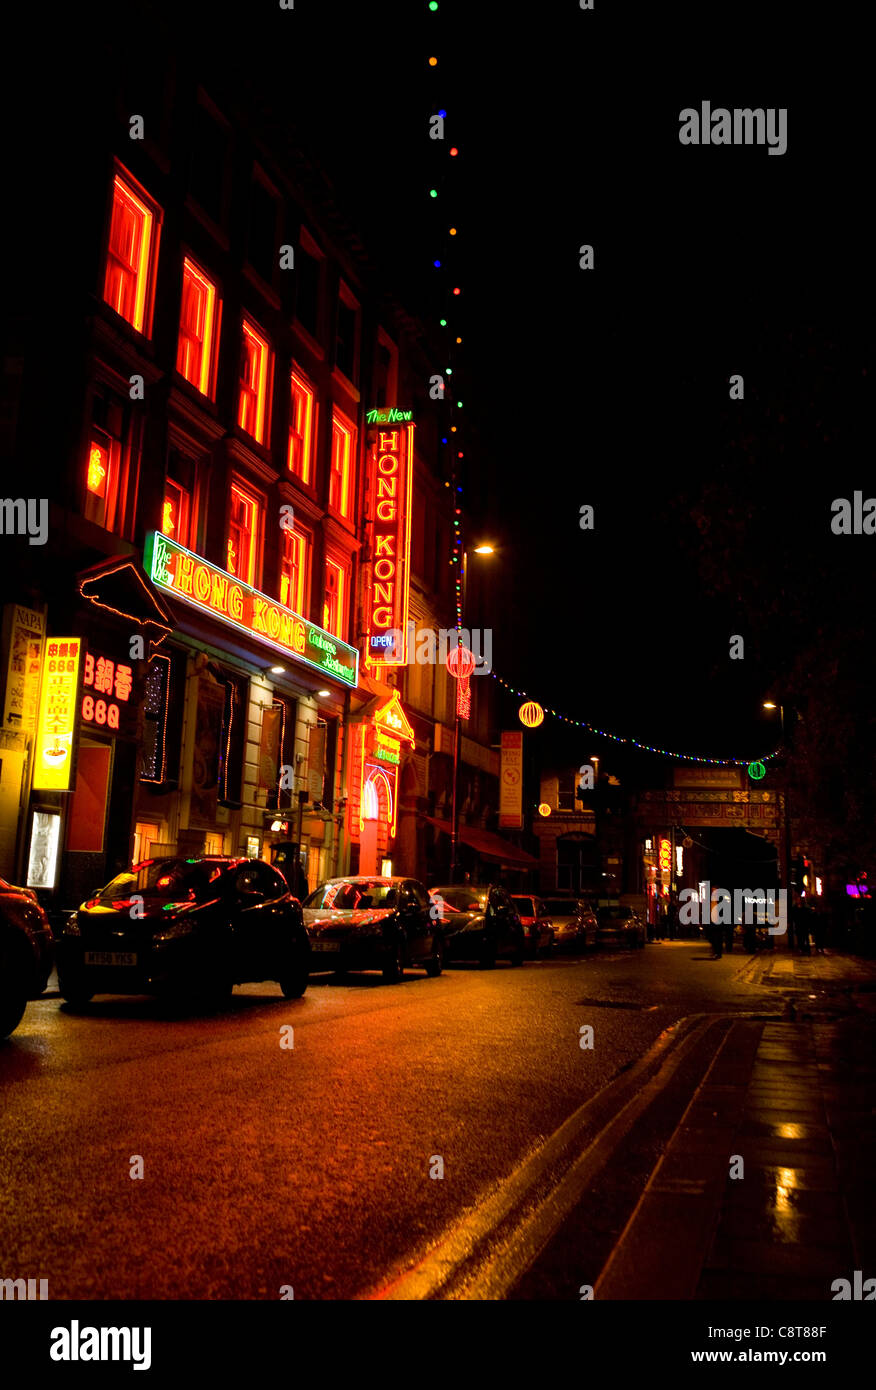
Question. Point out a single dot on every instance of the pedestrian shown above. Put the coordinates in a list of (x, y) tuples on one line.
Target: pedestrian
[(672, 918), (819, 923), (716, 931), (728, 937)]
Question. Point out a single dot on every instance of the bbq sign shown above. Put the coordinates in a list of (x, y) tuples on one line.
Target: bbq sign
[(56, 723), (390, 479), (192, 580)]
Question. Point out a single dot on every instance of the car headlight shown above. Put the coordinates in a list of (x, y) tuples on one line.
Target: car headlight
[(71, 927)]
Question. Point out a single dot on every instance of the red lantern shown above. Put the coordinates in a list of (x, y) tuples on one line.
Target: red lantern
[(531, 714), (460, 662)]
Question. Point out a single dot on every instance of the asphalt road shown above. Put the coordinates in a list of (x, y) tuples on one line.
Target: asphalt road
[(267, 1166)]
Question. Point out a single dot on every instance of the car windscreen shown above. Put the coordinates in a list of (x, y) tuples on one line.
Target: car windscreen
[(173, 879), (526, 906), (461, 899), (561, 907), (346, 897)]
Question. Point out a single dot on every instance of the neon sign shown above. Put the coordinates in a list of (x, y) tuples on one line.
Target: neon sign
[(377, 756), (53, 758), (389, 533), (105, 677), (388, 415), (193, 580)]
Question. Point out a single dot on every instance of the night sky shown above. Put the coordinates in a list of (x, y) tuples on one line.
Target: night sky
[(610, 387)]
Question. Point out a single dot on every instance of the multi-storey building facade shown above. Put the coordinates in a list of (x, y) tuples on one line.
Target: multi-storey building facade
[(201, 614)]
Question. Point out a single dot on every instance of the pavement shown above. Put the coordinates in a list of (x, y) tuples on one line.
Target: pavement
[(765, 1190)]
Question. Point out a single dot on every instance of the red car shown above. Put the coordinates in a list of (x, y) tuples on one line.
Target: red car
[(26, 953), (537, 925)]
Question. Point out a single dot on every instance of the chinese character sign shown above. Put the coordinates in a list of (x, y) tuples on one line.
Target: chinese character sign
[(105, 678), (53, 757)]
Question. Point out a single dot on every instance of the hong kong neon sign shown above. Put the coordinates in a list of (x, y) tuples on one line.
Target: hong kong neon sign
[(389, 535), (218, 594)]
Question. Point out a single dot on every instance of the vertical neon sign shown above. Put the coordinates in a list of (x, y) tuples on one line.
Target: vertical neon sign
[(391, 448)]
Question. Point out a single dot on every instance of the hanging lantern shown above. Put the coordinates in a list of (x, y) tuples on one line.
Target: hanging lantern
[(531, 714), (460, 662)]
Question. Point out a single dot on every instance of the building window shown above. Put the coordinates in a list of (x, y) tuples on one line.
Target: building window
[(198, 329), (345, 337), (301, 428), (177, 515), (242, 535), (107, 466), (308, 274), (130, 257), (255, 355), (386, 371), (207, 172), (340, 490), (294, 585), (333, 615), (262, 241)]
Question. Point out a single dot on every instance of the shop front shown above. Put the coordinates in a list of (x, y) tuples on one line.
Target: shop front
[(380, 735), (263, 694)]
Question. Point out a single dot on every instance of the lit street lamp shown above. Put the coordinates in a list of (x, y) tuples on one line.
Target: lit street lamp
[(454, 814)]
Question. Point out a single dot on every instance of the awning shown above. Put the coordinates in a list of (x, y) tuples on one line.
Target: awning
[(488, 845), (120, 586)]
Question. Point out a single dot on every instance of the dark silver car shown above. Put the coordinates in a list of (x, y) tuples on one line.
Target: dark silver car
[(576, 925), (480, 923)]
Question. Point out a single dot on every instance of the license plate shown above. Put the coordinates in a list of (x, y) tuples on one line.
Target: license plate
[(325, 945), (110, 958)]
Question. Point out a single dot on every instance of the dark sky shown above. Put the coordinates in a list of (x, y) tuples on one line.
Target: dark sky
[(608, 387)]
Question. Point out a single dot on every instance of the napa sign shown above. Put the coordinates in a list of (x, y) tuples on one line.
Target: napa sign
[(189, 578)]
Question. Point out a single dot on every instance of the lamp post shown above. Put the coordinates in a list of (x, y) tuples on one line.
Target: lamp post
[(786, 813), (454, 812)]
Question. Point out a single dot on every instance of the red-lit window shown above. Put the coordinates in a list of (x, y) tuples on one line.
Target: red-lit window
[(255, 357), (293, 571), (175, 515), (340, 490), (301, 422), (242, 535), (333, 615), (101, 477), (133, 241), (198, 328)]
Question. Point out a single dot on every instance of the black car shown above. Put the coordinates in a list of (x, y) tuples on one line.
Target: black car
[(480, 923), (26, 952), (373, 923), (197, 925)]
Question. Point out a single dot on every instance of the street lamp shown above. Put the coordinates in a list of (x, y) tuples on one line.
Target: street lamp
[(454, 813), (786, 817)]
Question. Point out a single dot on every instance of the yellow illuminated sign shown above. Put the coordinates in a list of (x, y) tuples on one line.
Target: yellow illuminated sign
[(53, 756)]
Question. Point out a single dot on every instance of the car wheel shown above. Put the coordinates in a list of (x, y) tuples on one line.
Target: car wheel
[(548, 949), (14, 985), (488, 953), (517, 956), (293, 982), (74, 989), (435, 964), (394, 966)]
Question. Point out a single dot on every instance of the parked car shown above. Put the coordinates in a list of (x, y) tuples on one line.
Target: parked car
[(373, 923), (575, 923), (619, 925), (480, 923), (26, 953), (201, 925), (536, 923)]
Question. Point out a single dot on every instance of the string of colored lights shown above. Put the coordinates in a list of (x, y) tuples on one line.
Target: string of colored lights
[(450, 301), (644, 747)]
